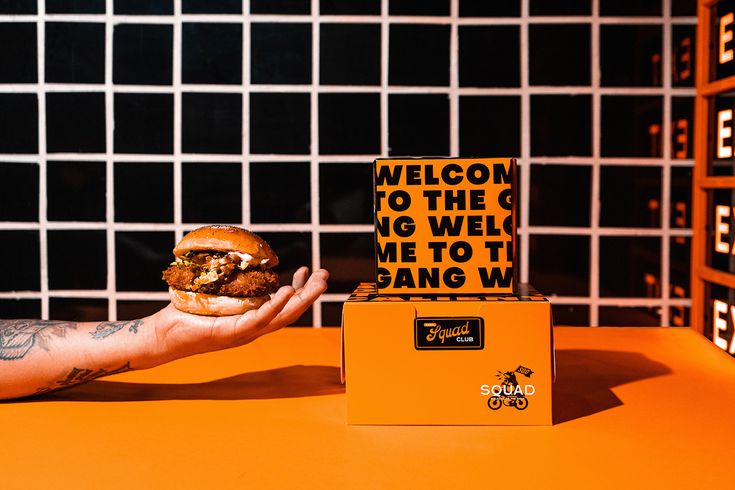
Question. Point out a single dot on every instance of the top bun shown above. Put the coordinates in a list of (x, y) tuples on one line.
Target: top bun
[(222, 238)]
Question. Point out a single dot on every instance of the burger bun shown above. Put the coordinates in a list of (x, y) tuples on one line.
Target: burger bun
[(211, 305)]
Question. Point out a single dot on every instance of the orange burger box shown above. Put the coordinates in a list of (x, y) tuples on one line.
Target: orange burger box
[(447, 360), (445, 225), (446, 335)]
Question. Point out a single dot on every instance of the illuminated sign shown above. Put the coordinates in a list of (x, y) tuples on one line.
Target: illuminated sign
[(722, 228), (682, 65), (723, 45), (723, 314), (680, 134), (725, 51), (724, 132)]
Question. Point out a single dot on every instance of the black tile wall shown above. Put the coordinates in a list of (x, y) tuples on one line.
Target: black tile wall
[(418, 7), (21, 275), (630, 56), (75, 122), (419, 55), (18, 191), (75, 6), (567, 7), (19, 123), (571, 315), (616, 316), (77, 259), (211, 123), (144, 123), (75, 191), (483, 8), (563, 125), (641, 257), (489, 56), (294, 251), (75, 52), (211, 6), (280, 192), (418, 124), (292, 7), (130, 310), (331, 314), (341, 132), (140, 258), (144, 192), (20, 308), (546, 67), (144, 7), (142, 54), (630, 7), (211, 192), (349, 54), (549, 207), (630, 196), (18, 56), (279, 123), (349, 7), (78, 309), (290, 108), (560, 264), (18, 6), (211, 53), (280, 53), (350, 259), (345, 193), (489, 125), (631, 125)]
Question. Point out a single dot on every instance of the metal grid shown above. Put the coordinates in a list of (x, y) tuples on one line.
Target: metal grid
[(454, 91)]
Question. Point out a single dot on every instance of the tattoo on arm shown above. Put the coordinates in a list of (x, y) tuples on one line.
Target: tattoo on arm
[(105, 329), (17, 337), (79, 376)]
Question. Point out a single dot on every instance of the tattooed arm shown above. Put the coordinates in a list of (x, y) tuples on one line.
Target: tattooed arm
[(38, 356)]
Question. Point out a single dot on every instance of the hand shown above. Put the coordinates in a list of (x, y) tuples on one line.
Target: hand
[(179, 334)]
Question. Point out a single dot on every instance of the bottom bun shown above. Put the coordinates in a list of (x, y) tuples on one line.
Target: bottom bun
[(210, 305)]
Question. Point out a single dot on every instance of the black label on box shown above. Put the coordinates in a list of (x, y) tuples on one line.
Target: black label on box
[(432, 333)]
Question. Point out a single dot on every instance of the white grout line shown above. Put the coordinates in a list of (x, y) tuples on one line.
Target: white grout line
[(394, 19), (594, 285), (454, 92), (314, 157), (666, 74), (245, 89), (42, 162), (177, 159), (384, 67), (328, 297), (310, 227), (110, 166), (279, 88), (223, 158), (525, 157)]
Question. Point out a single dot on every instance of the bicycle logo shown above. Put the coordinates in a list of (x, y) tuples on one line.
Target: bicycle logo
[(509, 392)]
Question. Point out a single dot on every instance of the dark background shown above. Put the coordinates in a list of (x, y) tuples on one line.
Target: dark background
[(120, 132)]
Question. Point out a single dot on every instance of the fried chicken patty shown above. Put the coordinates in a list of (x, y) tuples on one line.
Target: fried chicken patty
[(238, 283)]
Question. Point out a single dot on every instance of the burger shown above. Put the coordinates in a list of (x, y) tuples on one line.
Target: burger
[(221, 270)]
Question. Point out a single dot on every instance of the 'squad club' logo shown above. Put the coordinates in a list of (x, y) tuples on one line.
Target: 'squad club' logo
[(508, 391)]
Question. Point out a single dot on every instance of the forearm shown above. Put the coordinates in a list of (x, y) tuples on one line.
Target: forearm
[(38, 356)]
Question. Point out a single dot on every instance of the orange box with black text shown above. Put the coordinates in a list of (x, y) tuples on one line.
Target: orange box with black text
[(447, 360), (445, 225)]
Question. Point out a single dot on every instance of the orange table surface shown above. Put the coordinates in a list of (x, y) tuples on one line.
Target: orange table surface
[(633, 408)]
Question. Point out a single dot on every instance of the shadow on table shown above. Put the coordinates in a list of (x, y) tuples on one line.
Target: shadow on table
[(285, 382), (585, 378)]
